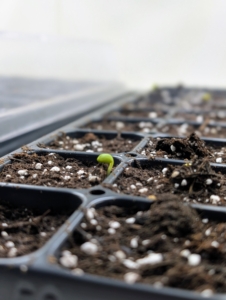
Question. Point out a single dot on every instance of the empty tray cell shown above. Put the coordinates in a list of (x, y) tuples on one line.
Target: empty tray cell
[(200, 116), (94, 142), (54, 170), (151, 114), (26, 224), (195, 182), (156, 245), (186, 148)]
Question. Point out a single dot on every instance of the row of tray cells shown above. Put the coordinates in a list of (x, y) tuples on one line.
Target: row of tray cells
[(145, 178)]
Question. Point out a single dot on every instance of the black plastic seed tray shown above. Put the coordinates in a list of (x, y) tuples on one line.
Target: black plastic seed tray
[(72, 194)]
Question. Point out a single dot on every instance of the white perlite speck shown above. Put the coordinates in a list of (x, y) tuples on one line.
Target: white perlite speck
[(55, 169), (68, 167), (67, 177), (131, 277), (130, 220), (4, 234), (4, 225), (173, 148), (134, 242), (164, 170), (89, 248), (66, 253), (209, 181), (207, 293), (34, 176), (184, 182), (143, 190), (150, 259), (22, 172), (133, 187), (12, 252), (145, 242), (111, 231), (119, 125), (175, 174), (194, 259), (214, 199), (176, 185), (93, 178), (149, 179), (205, 221), (215, 244), (90, 213), (9, 244), (50, 162), (120, 255), (93, 222), (79, 147), (80, 172), (185, 253), (130, 264), (114, 224), (38, 166), (208, 232), (219, 160), (69, 261), (43, 234)]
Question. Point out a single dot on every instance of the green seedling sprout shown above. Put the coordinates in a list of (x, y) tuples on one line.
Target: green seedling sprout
[(206, 97), (105, 158)]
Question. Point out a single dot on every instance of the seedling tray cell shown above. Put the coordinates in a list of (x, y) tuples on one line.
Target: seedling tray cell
[(54, 170), (94, 141), (200, 116), (127, 232), (183, 196), (186, 148)]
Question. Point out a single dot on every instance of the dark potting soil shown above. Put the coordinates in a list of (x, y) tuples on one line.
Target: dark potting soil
[(149, 127), (92, 143), (202, 130), (52, 170), (194, 182), (160, 246), (184, 148), (200, 117), (25, 230), (138, 114)]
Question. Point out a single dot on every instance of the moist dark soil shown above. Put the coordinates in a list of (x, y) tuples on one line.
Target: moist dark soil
[(202, 130), (184, 148), (192, 182), (149, 127), (25, 230), (160, 246), (199, 117), (92, 143), (52, 170), (138, 114)]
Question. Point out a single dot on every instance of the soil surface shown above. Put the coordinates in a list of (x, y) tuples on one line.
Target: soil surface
[(92, 143), (159, 246), (185, 148), (199, 117), (149, 127), (25, 230), (52, 170), (192, 182), (138, 114)]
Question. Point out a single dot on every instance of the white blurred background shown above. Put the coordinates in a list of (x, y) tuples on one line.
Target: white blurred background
[(155, 41)]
